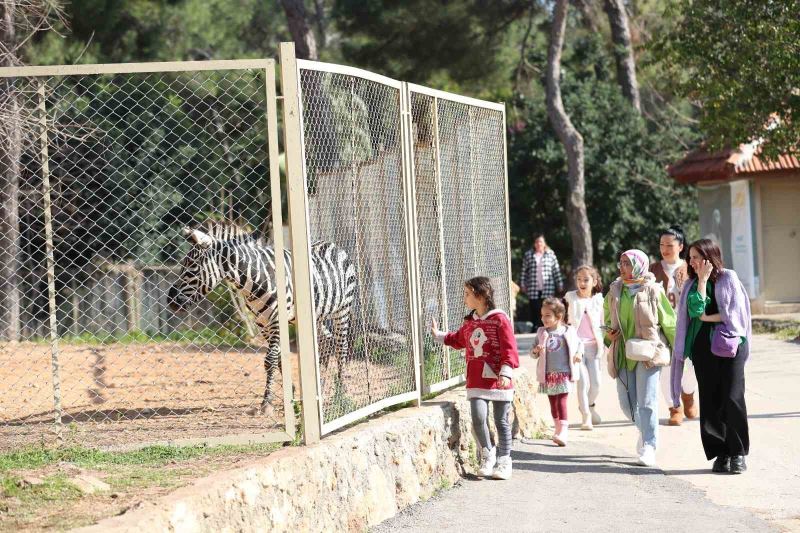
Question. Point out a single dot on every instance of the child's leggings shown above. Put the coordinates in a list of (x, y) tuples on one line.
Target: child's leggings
[(480, 413), (558, 406)]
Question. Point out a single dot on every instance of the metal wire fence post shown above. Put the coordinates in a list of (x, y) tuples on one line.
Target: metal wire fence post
[(412, 256), (51, 271), (278, 246), (301, 264)]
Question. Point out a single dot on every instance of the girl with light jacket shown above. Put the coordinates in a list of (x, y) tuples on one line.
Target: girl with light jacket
[(558, 351), (585, 314), (638, 313)]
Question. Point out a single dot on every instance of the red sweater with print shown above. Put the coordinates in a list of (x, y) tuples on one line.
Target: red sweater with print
[(491, 351)]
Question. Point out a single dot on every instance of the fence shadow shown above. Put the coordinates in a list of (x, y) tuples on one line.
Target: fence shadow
[(597, 464)]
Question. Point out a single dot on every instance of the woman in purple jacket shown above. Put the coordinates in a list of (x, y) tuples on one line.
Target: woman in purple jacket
[(714, 331)]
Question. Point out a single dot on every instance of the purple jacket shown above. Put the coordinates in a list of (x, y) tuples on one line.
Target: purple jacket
[(734, 310)]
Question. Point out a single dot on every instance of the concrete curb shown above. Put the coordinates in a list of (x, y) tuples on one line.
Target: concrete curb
[(351, 480)]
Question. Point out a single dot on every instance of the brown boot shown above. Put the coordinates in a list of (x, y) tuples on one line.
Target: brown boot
[(689, 406), (675, 416)]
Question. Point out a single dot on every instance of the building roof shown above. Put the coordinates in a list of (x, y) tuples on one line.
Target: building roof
[(739, 163)]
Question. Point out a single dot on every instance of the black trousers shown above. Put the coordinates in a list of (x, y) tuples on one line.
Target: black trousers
[(536, 310), (723, 413)]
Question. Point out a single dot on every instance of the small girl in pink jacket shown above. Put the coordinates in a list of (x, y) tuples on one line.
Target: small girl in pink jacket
[(560, 366)]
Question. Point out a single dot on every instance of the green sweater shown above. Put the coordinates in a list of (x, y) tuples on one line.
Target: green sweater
[(696, 305), (666, 319)]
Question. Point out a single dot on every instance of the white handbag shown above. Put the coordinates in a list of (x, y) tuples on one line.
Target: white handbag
[(640, 349)]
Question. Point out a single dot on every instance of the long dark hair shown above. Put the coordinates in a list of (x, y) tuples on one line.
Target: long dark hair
[(482, 287), (709, 251), (597, 288), (677, 232)]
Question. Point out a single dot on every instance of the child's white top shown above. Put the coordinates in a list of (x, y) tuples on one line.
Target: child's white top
[(593, 306)]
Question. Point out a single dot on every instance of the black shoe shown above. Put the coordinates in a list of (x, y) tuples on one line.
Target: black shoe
[(722, 464), (737, 464)]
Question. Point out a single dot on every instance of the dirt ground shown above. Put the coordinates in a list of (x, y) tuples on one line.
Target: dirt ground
[(127, 394), (119, 395)]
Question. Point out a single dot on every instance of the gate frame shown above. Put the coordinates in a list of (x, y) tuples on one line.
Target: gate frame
[(267, 66), (299, 212), (436, 94)]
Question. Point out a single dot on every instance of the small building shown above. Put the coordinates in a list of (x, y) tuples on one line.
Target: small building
[(751, 208)]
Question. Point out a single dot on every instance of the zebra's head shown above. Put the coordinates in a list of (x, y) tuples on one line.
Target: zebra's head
[(197, 277)]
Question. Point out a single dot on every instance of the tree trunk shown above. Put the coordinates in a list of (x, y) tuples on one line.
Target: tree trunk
[(577, 219), (303, 36), (588, 14), (623, 51), (10, 152)]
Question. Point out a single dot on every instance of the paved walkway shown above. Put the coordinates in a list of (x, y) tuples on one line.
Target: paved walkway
[(590, 484)]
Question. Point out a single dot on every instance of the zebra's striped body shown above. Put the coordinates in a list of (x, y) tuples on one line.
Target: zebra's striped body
[(222, 252)]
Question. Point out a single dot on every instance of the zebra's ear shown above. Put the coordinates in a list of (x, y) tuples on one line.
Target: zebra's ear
[(198, 237)]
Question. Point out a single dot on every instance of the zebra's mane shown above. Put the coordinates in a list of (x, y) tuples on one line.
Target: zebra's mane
[(223, 231)]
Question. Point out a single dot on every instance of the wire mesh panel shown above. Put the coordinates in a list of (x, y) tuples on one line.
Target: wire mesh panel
[(460, 176), (354, 179), (138, 241)]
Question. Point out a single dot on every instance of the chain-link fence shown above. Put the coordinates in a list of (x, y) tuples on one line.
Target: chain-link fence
[(460, 174), (410, 253), (354, 178), (115, 324), (139, 286)]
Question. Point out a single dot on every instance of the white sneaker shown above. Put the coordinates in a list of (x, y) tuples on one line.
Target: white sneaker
[(587, 423), (595, 417), (639, 445), (488, 460), (561, 437), (503, 468), (648, 456)]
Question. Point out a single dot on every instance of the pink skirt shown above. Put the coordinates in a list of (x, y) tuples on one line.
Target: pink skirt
[(555, 383)]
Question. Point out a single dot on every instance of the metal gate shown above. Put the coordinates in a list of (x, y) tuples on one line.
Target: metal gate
[(108, 164)]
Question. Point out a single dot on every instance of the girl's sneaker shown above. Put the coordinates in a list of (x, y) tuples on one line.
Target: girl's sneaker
[(561, 437), (595, 417), (587, 423), (556, 430), (503, 468), (488, 460)]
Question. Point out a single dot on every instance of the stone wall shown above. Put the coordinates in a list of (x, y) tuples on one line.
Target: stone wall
[(350, 481)]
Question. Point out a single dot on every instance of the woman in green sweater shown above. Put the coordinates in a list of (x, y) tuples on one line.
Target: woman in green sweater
[(636, 310)]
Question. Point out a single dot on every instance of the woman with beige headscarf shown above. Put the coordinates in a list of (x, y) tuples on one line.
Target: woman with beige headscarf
[(641, 328)]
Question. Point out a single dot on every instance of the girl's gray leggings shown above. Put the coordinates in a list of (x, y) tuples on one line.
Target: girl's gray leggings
[(480, 412)]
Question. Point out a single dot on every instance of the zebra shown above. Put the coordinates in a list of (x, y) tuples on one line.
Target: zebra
[(226, 252)]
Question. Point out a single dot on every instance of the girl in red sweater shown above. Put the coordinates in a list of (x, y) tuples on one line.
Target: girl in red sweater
[(491, 352)]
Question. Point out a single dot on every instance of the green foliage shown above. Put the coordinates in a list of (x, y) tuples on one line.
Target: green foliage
[(629, 196), (36, 457), (165, 30), (339, 403), (741, 61), (54, 488), (450, 43), (465, 46)]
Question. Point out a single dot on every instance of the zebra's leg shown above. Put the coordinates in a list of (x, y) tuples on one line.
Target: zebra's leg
[(272, 361), (341, 329)]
